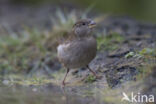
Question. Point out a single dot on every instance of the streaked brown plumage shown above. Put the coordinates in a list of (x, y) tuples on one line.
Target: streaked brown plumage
[(80, 49)]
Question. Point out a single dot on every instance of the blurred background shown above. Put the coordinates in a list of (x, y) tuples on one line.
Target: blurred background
[(140, 9)]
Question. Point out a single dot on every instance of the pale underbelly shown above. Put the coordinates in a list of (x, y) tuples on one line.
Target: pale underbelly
[(77, 55)]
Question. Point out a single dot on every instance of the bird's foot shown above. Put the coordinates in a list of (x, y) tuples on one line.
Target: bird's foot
[(64, 84)]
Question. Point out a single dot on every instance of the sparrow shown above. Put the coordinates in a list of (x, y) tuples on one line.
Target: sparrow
[(80, 48)]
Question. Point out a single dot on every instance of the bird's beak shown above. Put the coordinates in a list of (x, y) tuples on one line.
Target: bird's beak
[(92, 24)]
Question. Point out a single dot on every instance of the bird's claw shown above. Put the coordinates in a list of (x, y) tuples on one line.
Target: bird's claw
[(64, 83)]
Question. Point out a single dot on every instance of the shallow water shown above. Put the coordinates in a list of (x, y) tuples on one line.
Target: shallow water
[(47, 94)]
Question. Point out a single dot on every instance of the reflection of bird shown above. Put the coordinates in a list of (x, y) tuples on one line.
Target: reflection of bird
[(80, 48), (125, 97)]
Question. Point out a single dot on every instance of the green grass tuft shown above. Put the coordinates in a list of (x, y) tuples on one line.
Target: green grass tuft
[(144, 53), (90, 79), (109, 42)]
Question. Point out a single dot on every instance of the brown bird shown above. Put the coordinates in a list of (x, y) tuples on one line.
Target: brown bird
[(80, 49)]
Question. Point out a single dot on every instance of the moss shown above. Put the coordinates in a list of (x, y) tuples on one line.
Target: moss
[(130, 54), (109, 42), (148, 51), (145, 53), (148, 57), (90, 79)]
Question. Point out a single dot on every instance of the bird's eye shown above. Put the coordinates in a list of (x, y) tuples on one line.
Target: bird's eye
[(83, 23)]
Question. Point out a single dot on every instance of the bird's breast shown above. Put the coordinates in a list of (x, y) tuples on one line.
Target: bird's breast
[(77, 53)]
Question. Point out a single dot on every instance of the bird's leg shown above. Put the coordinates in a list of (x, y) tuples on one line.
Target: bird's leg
[(93, 72), (63, 82)]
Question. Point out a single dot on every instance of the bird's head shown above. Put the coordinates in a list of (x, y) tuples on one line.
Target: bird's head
[(83, 27)]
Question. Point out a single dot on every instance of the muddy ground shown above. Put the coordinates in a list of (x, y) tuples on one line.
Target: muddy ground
[(126, 60)]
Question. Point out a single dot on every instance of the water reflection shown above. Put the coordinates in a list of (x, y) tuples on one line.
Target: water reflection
[(47, 94)]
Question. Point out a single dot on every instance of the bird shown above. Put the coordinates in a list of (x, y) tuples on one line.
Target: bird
[(79, 49)]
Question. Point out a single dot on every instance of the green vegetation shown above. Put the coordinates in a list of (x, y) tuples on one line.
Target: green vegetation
[(23, 53), (109, 42), (148, 56), (130, 54), (148, 51), (90, 79), (144, 53), (33, 49)]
